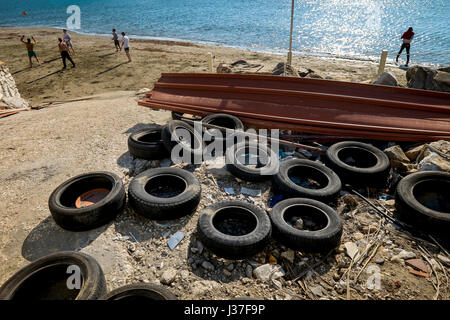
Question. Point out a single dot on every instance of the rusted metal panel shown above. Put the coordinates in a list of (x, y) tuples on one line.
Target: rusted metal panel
[(309, 105)]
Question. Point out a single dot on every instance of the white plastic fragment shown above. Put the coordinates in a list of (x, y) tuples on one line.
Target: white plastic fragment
[(229, 190), (251, 192), (175, 239)]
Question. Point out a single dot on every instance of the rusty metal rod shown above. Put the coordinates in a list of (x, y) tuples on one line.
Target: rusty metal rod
[(283, 142)]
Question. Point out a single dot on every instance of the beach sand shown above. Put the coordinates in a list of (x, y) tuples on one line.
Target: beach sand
[(100, 69)]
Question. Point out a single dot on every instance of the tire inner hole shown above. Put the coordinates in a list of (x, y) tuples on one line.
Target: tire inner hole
[(81, 187), (357, 157), (187, 138), (433, 194), (305, 217), (308, 177), (49, 283), (165, 186), (252, 157), (235, 221), (150, 137), (137, 295)]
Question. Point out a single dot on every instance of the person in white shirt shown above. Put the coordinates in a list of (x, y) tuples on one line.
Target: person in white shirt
[(68, 40), (126, 45)]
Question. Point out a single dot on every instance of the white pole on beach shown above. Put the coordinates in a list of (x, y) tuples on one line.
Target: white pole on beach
[(289, 57)]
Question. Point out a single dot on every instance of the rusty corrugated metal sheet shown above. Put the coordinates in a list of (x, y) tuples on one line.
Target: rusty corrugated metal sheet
[(309, 105)]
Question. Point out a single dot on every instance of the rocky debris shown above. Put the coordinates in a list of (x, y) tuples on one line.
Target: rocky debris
[(9, 94), (386, 79), (403, 255), (207, 265), (398, 158), (313, 76), (351, 249), (200, 288), (279, 70), (288, 256), (168, 276), (268, 272), (239, 66), (428, 79), (317, 291)]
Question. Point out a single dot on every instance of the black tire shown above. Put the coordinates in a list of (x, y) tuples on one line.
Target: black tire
[(422, 199), (251, 218), (62, 201), (47, 278), (371, 165), (195, 150), (324, 236), (182, 193), (328, 183), (246, 173), (139, 293), (222, 120), (177, 115), (147, 144)]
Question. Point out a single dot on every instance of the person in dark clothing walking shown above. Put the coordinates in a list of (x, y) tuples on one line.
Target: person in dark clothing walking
[(65, 53), (407, 38)]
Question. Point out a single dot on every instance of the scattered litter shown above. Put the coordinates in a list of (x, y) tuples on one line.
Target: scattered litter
[(251, 192), (275, 199), (165, 163), (384, 197), (419, 273), (166, 234), (418, 264), (306, 153), (229, 190), (175, 239), (121, 238), (132, 235)]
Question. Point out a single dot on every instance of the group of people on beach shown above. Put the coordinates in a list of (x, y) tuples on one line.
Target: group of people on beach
[(65, 45)]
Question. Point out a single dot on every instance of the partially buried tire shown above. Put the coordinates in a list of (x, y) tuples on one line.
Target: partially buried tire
[(359, 164), (307, 179), (178, 133), (306, 225), (54, 277), (87, 201), (222, 120), (140, 292), (234, 229), (252, 162), (147, 144), (164, 193), (422, 200)]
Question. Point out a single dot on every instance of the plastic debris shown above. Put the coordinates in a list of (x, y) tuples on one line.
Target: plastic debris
[(251, 192), (229, 190), (384, 197), (175, 239), (275, 199), (165, 163)]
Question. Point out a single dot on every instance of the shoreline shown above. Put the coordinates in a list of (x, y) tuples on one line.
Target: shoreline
[(103, 70)]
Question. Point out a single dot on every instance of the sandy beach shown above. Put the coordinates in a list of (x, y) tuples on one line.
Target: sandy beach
[(100, 69)]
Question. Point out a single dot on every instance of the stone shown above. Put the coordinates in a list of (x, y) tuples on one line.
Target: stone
[(433, 162), (223, 68), (318, 291), (442, 80), (397, 157), (386, 79), (279, 70), (288, 256), (202, 287), (226, 273), (350, 200), (379, 261), (413, 153), (303, 72), (351, 249), (168, 276), (268, 271), (421, 78), (230, 267), (313, 76), (248, 271), (358, 236), (444, 259), (403, 255), (298, 224), (207, 265)]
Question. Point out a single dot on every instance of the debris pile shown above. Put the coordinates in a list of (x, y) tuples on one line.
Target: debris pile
[(9, 95)]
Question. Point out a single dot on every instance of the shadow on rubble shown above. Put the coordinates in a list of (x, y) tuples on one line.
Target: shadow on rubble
[(136, 228), (47, 238), (222, 267)]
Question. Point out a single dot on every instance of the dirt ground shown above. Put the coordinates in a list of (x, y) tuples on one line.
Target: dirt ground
[(100, 69), (42, 148)]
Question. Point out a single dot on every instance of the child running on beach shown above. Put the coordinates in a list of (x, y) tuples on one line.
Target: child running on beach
[(126, 45), (116, 40), (68, 40), (407, 37), (65, 53), (30, 48)]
